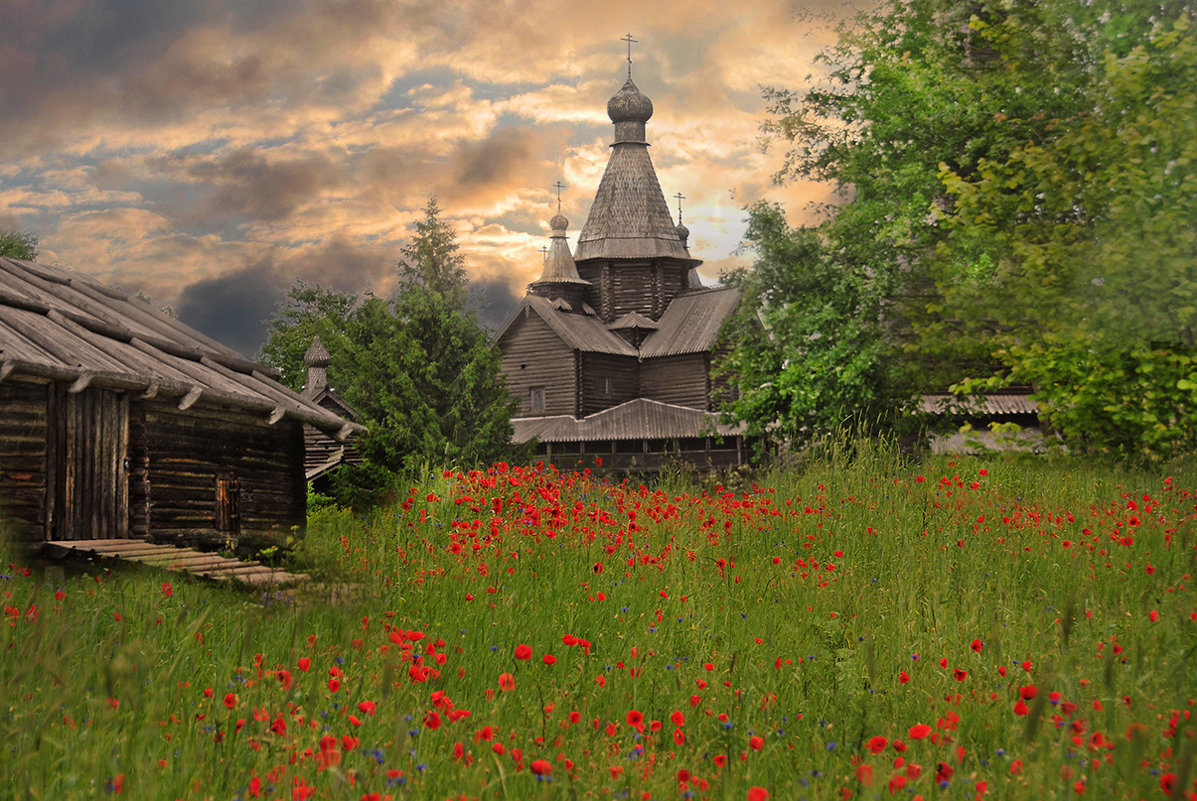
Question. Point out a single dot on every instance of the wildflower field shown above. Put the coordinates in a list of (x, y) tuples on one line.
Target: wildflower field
[(864, 628)]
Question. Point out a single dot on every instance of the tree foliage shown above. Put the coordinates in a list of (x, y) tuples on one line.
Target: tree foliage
[(18, 245), (420, 369), (1017, 199)]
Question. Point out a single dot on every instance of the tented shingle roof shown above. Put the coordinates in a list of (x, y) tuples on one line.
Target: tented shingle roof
[(66, 326)]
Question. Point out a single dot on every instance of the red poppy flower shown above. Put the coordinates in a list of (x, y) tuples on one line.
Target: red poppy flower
[(976, 646), (678, 718), (877, 744), (758, 794), (506, 682), (960, 675), (432, 720), (523, 651), (634, 718), (549, 659), (919, 731), (541, 767), (756, 742)]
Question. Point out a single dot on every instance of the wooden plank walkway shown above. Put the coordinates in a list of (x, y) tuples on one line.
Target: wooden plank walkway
[(169, 557)]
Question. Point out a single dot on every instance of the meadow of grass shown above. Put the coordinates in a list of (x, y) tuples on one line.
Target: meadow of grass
[(859, 628)]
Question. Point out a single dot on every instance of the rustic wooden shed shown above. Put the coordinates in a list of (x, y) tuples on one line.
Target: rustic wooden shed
[(118, 421)]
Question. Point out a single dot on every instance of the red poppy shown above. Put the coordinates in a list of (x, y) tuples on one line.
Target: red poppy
[(432, 720), (506, 682), (634, 718), (877, 744), (541, 767), (976, 646), (678, 718), (756, 742), (549, 659), (523, 651), (960, 675), (919, 731), (758, 794)]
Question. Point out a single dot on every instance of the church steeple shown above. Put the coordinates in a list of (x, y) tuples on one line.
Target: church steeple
[(560, 280), (629, 218)]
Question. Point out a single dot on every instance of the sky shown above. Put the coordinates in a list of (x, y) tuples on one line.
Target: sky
[(210, 153)]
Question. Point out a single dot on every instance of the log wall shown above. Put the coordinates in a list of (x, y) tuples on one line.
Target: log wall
[(190, 453), (534, 356), (23, 462), (622, 376), (676, 379)]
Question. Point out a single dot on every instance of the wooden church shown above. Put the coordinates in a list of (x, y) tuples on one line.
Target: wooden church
[(610, 352)]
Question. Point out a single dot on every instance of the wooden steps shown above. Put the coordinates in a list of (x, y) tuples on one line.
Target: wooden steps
[(168, 557)]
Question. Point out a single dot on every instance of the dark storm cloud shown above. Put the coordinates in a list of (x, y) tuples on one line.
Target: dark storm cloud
[(494, 300), (493, 160), (249, 185), (343, 265), (235, 308)]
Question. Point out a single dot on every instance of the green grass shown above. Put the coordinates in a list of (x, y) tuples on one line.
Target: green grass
[(720, 605)]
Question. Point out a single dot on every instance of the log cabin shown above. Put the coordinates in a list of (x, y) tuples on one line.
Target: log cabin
[(610, 352), (117, 421)]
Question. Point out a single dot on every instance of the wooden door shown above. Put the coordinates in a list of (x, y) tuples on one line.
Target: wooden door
[(89, 436)]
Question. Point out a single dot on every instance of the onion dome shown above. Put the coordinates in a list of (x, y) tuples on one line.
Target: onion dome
[(628, 105), (316, 359), (629, 110), (683, 233), (317, 355)]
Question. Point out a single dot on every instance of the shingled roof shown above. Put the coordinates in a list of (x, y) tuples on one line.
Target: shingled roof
[(691, 323), (66, 326), (629, 218), (584, 332), (641, 418), (983, 405)]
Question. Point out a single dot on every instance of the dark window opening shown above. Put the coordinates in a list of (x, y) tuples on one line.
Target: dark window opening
[(536, 399)]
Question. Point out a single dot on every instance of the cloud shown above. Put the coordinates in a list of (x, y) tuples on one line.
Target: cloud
[(234, 308), (182, 146)]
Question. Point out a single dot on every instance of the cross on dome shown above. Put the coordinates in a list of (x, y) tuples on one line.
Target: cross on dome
[(630, 42)]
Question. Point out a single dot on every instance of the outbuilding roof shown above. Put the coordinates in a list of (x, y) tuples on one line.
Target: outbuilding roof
[(996, 405), (66, 326), (641, 418)]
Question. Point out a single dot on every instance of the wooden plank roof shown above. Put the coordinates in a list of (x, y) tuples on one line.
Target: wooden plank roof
[(995, 405), (66, 326), (641, 418), (691, 323), (584, 332)]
